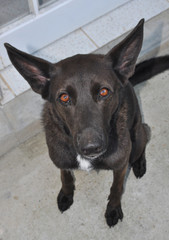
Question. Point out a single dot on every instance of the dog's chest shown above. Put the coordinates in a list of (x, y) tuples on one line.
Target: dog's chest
[(84, 164)]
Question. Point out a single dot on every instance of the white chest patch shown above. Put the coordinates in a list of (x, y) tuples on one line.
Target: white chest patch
[(84, 164)]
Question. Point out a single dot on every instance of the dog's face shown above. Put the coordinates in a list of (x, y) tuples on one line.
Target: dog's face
[(84, 93), (83, 89)]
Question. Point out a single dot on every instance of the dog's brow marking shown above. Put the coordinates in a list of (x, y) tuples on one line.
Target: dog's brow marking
[(84, 164)]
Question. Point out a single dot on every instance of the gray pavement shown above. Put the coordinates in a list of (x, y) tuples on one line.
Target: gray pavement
[(29, 183)]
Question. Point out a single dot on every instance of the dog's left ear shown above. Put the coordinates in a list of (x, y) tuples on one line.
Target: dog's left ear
[(36, 71), (124, 55)]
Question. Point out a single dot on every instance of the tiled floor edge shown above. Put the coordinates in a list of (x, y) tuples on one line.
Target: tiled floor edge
[(89, 37)]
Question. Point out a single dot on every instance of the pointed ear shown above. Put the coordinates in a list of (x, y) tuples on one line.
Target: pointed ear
[(35, 70), (124, 55)]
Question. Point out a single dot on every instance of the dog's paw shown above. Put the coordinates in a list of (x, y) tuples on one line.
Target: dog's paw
[(64, 201), (113, 216), (139, 167)]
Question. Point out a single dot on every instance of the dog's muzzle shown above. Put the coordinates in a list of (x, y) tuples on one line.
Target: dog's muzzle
[(90, 144)]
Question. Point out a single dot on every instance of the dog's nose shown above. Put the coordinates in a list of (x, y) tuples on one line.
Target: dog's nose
[(90, 143), (92, 149)]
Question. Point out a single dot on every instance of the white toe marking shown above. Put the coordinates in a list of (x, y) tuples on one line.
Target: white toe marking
[(84, 164)]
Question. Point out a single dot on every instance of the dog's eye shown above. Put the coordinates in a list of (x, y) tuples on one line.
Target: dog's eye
[(64, 98), (103, 92)]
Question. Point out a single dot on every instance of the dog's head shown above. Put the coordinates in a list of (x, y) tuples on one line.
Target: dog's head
[(83, 89)]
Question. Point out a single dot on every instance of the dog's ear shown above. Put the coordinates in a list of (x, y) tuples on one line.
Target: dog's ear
[(35, 70), (124, 55)]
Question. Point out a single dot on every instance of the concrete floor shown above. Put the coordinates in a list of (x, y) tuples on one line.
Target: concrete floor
[(29, 183)]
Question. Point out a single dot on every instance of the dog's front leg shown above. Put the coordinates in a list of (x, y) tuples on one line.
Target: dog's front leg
[(114, 211), (65, 196)]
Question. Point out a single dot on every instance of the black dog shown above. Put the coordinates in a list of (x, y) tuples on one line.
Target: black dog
[(92, 118)]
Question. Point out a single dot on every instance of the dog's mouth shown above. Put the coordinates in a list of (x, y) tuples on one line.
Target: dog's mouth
[(93, 156), (86, 162)]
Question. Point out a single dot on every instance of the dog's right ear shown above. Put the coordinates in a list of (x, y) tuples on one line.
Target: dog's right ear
[(35, 70)]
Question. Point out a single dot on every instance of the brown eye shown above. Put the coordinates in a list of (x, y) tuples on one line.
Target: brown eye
[(104, 92), (64, 98)]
